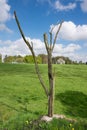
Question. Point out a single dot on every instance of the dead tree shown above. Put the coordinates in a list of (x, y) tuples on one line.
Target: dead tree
[(49, 47)]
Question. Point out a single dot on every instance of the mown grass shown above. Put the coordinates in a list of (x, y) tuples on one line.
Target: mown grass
[(22, 97)]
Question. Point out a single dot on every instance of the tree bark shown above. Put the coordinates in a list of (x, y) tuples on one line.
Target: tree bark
[(51, 85)]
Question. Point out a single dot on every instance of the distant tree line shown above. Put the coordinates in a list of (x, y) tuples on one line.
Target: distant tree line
[(21, 59), (41, 59)]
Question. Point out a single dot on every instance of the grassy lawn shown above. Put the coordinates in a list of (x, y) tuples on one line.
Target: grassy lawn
[(22, 97)]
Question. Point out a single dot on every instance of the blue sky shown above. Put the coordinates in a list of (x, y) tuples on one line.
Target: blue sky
[(37, 17)]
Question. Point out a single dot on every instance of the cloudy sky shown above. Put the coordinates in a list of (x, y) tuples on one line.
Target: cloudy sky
[(39, 16)]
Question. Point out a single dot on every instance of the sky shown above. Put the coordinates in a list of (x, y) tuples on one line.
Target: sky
[(38, 17)]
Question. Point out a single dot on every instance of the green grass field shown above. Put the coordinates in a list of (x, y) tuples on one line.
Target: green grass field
[(22, 97)]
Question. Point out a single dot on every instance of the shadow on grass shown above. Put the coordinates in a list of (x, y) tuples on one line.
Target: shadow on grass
[(75, 103)]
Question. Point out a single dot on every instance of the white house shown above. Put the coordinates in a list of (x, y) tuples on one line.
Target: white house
[(60, 61)]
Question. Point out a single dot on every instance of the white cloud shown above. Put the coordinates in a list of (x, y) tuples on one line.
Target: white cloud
[(84, 5), (72, 48), (4, 15), (13, 47), (58, 6), (79, 57), (38, 45), (4, 11), (66, 50), (3, 27), (72, 32), (71, 51), (18, 47)]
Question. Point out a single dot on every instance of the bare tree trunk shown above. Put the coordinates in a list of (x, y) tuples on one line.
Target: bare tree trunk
[(51, 85), (50, 76)]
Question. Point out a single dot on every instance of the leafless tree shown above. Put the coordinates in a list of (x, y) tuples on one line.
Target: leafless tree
[(49, 47)]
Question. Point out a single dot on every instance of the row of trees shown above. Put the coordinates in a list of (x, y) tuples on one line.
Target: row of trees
[(21, 59), (41, 59)]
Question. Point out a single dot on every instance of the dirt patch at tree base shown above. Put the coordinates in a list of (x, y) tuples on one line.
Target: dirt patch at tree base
[(57, 116)]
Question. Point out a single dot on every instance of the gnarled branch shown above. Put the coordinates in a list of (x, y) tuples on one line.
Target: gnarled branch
[(33, 54), (56, 35)]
